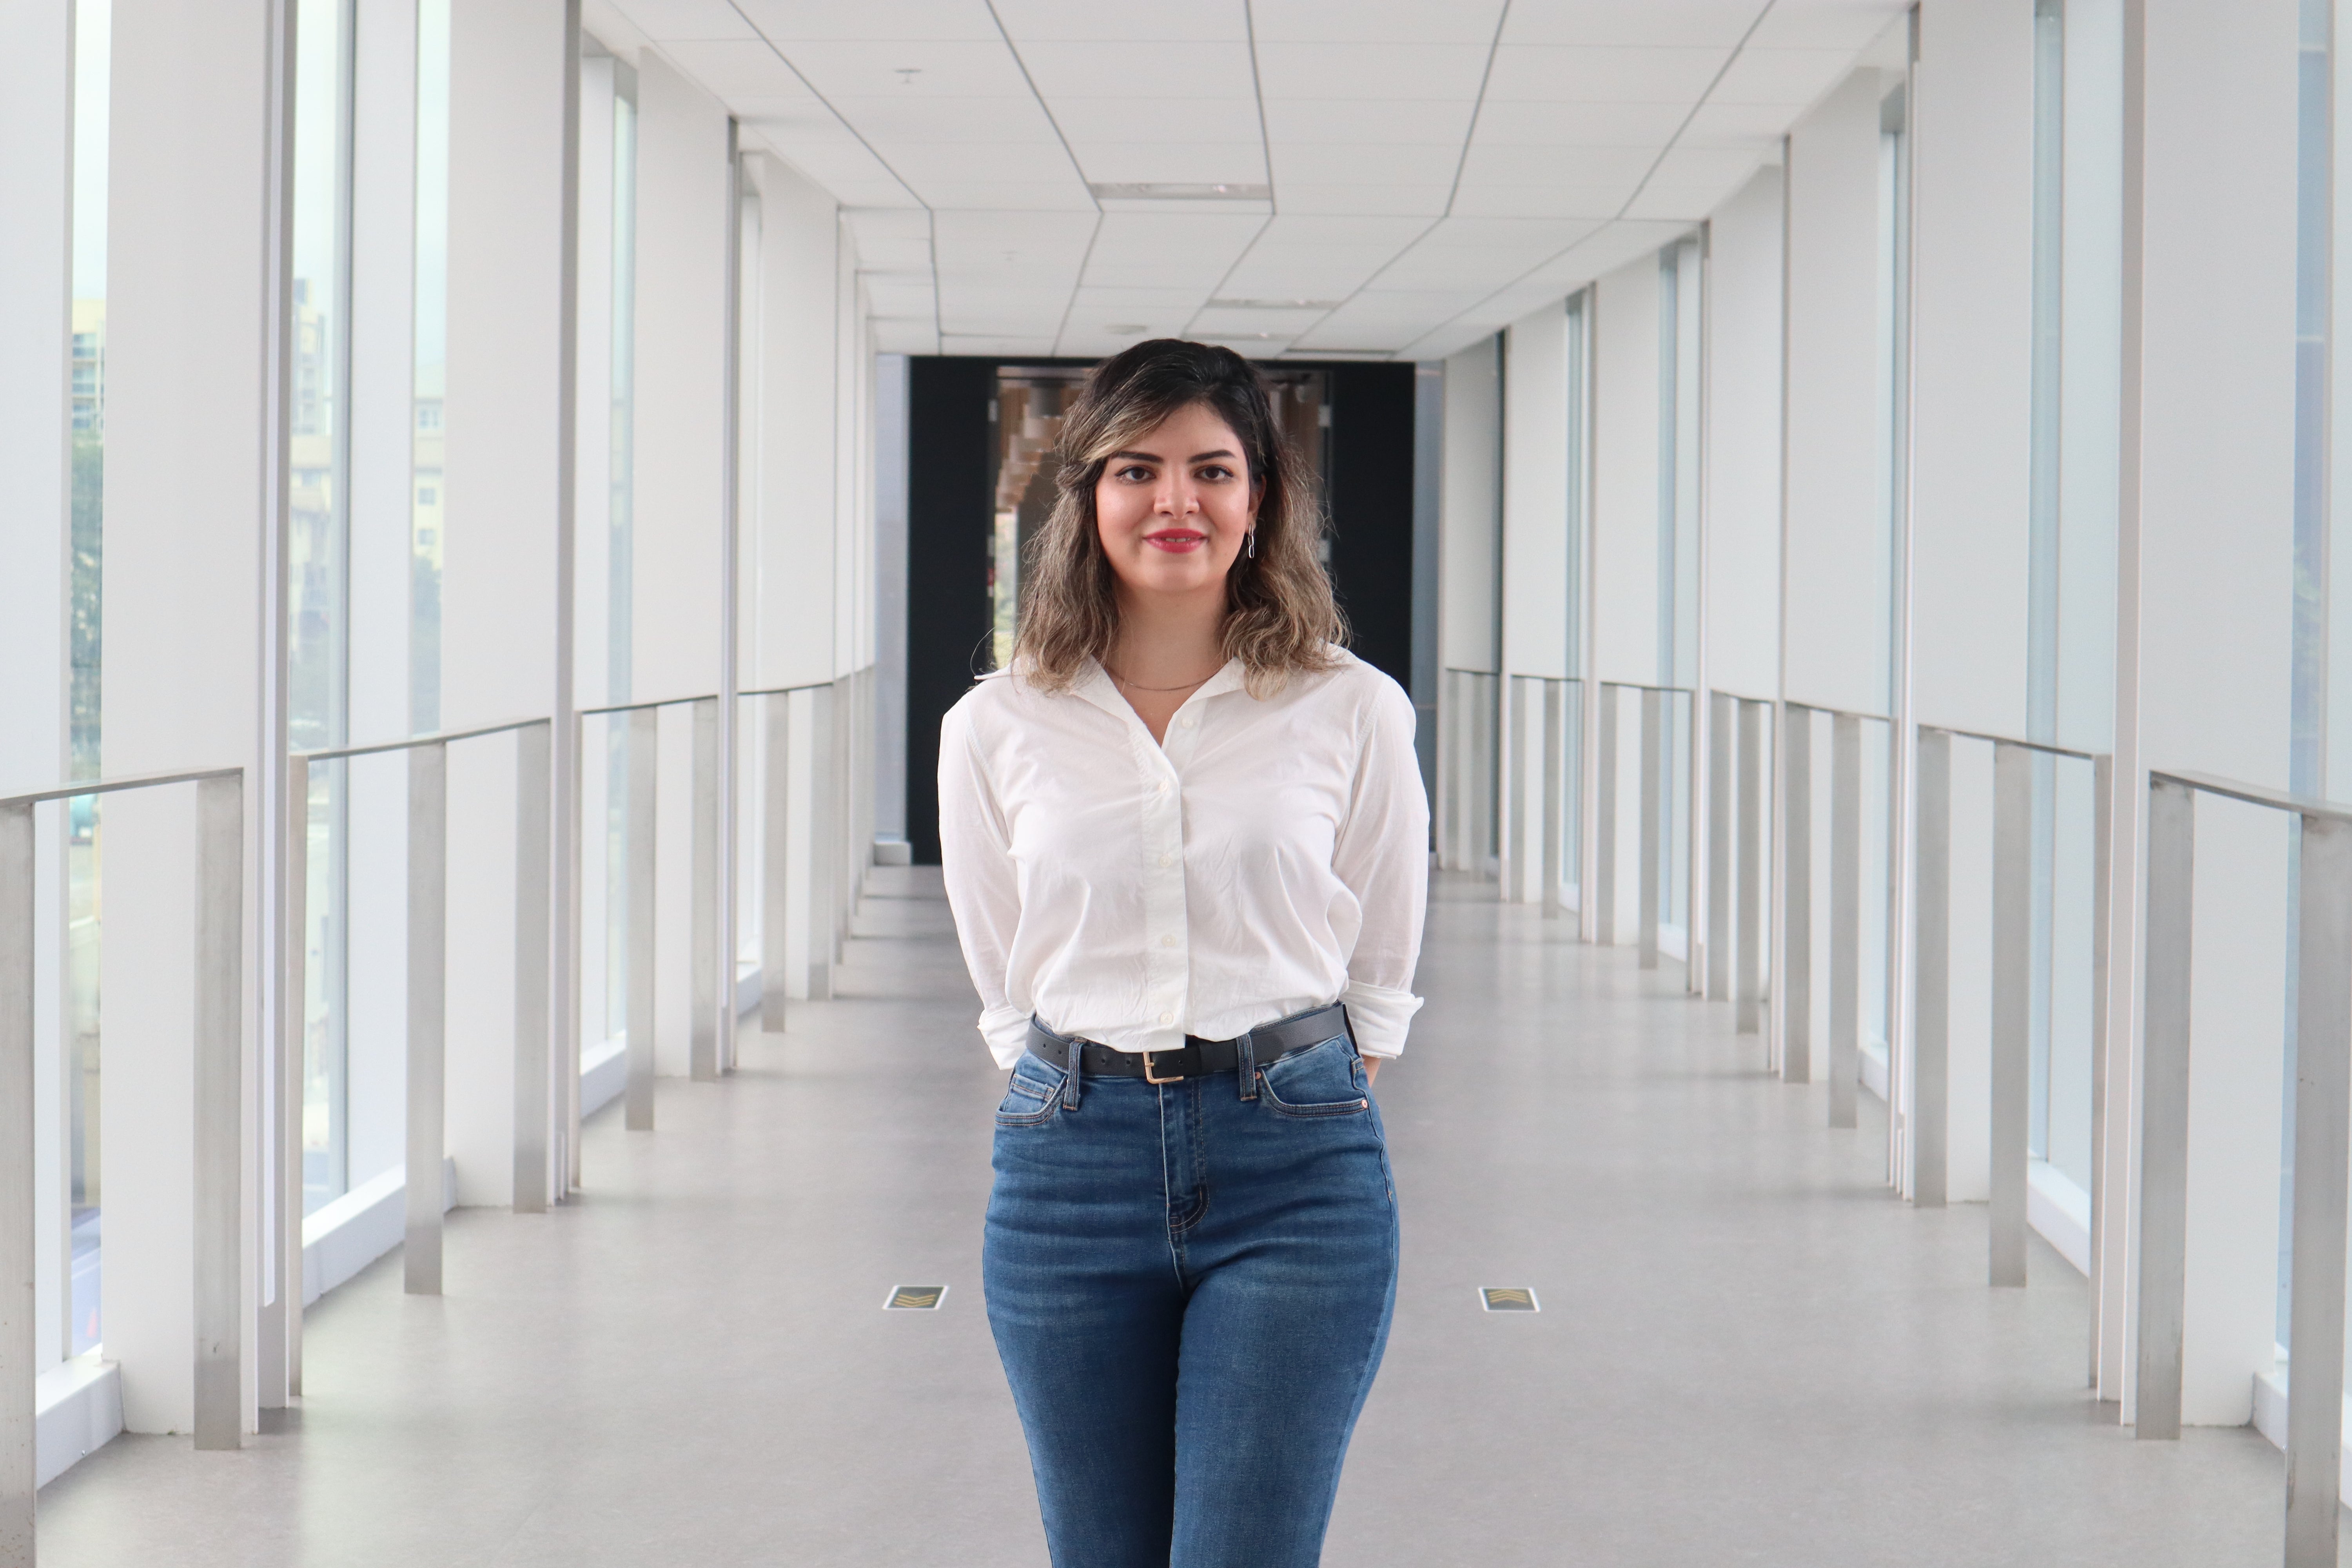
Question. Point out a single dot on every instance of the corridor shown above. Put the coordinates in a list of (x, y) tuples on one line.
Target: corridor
[(1748, 1351)]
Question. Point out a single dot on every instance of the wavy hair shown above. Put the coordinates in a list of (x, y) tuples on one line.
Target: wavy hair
[(1280, 615)]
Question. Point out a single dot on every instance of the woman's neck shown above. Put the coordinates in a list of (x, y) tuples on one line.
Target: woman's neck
[(1167, 641)]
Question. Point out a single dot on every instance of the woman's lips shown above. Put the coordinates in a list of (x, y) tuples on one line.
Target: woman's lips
[(1177, 540)]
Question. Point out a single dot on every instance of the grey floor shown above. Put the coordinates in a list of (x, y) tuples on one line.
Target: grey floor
[(1748, 1353)]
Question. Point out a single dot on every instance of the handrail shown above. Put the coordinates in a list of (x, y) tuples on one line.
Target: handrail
[(115, 786), (649, 703), (2045, 747), (1841, 712), (217, 1093), (2322, 1073), (788, 691), (1638, 686), (438, 738)]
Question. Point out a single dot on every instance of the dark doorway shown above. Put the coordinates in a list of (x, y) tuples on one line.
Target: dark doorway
[(953, 529)]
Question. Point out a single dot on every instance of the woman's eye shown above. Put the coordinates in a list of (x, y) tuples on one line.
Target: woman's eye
[(1136, 474), (1216, 471)]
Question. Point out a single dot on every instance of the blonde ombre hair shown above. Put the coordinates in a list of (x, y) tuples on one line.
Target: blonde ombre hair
[(1280, 615)]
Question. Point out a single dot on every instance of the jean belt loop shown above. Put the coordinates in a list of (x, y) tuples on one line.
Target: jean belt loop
[(1070, 1079), (1245, 1047)]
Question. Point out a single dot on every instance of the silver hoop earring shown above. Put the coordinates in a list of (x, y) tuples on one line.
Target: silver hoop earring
[(1252, 543)]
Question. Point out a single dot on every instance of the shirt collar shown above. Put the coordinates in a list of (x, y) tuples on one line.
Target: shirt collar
[(1097, 688)]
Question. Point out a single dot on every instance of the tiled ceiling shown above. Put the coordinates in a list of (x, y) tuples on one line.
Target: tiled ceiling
[(1373, 178)]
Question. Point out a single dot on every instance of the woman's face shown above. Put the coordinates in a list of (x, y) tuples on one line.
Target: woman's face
[(1173, 506)]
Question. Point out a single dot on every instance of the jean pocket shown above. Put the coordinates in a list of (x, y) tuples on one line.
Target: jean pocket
[(1321, 1080), (1032, 1095)]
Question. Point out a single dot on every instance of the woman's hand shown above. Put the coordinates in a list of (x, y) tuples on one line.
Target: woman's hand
[(1371, 1069)]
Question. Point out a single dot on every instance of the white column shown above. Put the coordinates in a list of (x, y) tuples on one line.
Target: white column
[(1535, 573), (188, 436), (504, 418), (1469, 514)]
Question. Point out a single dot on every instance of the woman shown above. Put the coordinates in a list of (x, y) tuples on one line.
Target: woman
[(1187, 847)]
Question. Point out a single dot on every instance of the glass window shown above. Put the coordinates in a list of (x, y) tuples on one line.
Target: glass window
[(432, 358)]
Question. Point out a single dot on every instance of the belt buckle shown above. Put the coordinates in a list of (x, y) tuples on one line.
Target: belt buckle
[(1172, 1078)]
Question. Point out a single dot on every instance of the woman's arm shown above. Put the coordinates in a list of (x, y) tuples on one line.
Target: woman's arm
[(984, 888), (1382, 855)]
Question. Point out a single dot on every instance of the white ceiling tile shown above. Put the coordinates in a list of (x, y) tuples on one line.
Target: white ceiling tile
[(1220, 323), (1028, 195), (896, 118), (1736, 124), (1086, 121), (1126, 238), (1794, 77), (940, 67), (1826, 24), (740, 70), (1363, 200), (667, 20), (1011, 245), (925, 164), (905, 338), (1126, 21), (1527, 124), (1183, 163), (1379, 21), (798, 20), (1727, 167), (1571, 74), (1297, 274), (1544, 201), (889, 227), (1297, 163), (1114, 69), (1366, 124), (1521, 165), (1383, 72), (997, 344), (1307, 232), (1690, 202), (1722, 23), (1135, 304)]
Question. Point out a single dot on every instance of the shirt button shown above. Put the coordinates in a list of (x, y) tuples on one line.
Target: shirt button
[(1168, 942), (1187, 720), (1168, 859), (1167, 1018), (1162, 786)]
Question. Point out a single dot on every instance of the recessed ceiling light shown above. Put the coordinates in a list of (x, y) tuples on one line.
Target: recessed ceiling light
[(1274, 304), (1179, 191)]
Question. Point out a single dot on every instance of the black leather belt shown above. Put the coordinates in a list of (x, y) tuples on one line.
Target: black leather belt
[(1197, 1056)]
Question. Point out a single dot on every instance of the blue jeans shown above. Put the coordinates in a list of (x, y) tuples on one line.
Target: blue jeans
[(1189, 1285)]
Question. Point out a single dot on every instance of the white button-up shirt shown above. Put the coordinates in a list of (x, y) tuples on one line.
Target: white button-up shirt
[(1271, 856)]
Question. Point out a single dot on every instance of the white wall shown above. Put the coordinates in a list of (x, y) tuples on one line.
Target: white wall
[(1625, 495), (2216, 583), (1534, 495), (1742, 447), (187, 439), (1836, 538), (789, 539), (35, 126), (503, 420), (1973, 319), (1469, 512)]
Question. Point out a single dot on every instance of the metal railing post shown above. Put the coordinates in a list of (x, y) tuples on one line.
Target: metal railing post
[(534, 1040), (1604, 858), (1749, 998), (220, 1111), (1654, 741), (1796, 899), (2164, 1106), (2323, 1080), (2103, 774), (293, 1003), (709, 982), (2012, 1009), (644, 775), (1718, 846), (1929, 1118), (1512, 885), (1845, 917), (18, 1255), (1555, 794), (428, 912), (775, 889)]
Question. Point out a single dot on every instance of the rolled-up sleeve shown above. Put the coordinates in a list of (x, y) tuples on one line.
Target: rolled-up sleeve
[(982, 885), (1382, 856)]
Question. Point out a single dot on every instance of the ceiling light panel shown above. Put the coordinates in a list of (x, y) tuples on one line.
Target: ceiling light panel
[(667, 21), (1381, 72), (1376, 21), (1126, 21), (800, 21), (1575, 74), (1639, 23)]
